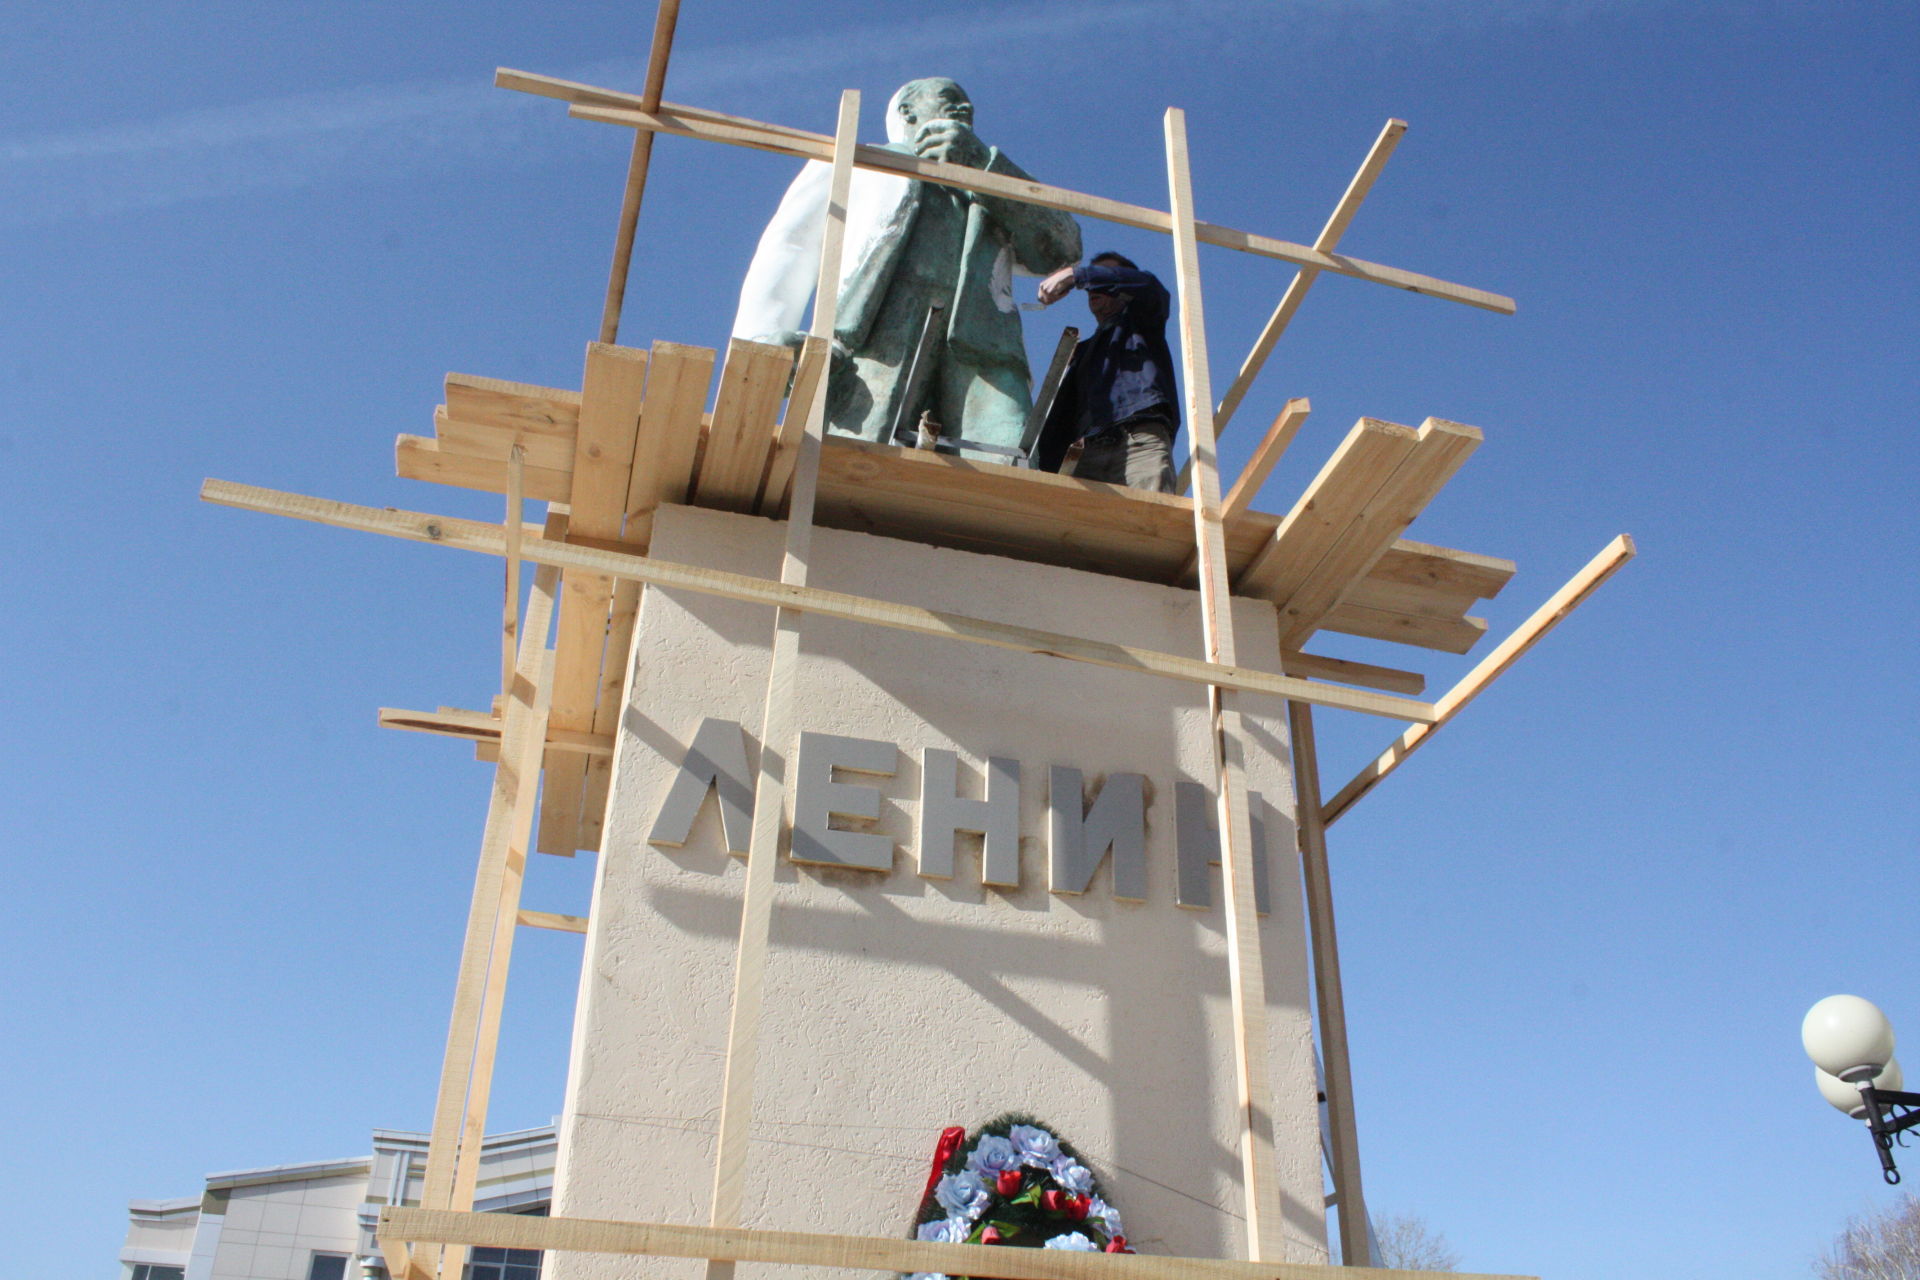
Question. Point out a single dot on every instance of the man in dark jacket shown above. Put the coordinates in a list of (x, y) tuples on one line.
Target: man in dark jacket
[(1116, 412)]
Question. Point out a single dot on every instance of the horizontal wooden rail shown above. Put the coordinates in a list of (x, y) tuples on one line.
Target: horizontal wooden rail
[(607, 106), (1525, 636), (490, 539), (400, 1226)]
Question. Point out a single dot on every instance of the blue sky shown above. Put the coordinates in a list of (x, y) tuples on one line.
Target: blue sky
[(1579, 930)]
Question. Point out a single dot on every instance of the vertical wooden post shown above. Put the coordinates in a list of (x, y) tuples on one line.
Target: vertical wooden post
[(471, 1033), (510, 611), (1345, 1138), (1246, 974), (777, 731)]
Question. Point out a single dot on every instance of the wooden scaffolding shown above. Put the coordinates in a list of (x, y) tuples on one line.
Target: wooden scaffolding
[(638, 433)]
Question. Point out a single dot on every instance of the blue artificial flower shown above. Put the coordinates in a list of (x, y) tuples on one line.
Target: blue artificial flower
[(1106, 1215), (994, 1154), (945, 1231), (1036, 1146), (963, 1195), (1071, 1174)]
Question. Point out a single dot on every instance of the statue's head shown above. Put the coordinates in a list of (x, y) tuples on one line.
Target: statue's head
[(918, 101)]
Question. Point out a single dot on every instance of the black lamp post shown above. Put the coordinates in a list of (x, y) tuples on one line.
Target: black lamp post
[(1851, 1044)]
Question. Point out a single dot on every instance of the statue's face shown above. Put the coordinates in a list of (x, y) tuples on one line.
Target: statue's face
[(934, 99)]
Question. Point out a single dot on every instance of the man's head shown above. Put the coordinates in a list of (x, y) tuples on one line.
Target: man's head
[(1105, 303), (918, 101)]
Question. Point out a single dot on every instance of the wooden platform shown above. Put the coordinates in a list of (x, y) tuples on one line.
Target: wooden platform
[(641, 433)]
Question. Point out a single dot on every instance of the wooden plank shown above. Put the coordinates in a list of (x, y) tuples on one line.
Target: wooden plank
[(1421, 564), (815, 355), (1329, 999), (1325, 242), (752, 383), (483, 726), (1246, 971), (1341, 490), (521, 407), (420, 458), (477, 440), (1529, 633), (552, 920), (669, 435), (1345, 671), (1440, 448), (611, 393), (607, 709), (1448, 635), (1371, 592), (637, 164), (515, 527), (496, 881), (871, 1253), (779, 730), (1286, 425), (477, 535), (712, 127)]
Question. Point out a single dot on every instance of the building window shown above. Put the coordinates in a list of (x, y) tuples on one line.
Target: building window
[(153, 1271), (327, 1266), (503, 1264)]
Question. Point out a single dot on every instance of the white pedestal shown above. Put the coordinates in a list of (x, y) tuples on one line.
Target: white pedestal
[(897, 1004)]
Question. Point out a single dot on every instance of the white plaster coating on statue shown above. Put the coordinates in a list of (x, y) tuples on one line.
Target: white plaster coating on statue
[(1080, 836), (1199, 845), (818, 799), (715, 762), (944, 813), (898, 1004)]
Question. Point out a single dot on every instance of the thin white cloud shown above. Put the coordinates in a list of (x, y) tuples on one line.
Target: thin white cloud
[(422, 127)]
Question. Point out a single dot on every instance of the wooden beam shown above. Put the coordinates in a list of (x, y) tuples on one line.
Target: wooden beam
[(484, 417), (779, 731), (611, 392), (669, 434), (637, 164), (551, 920), (1246, 971), (1439, 449), (1325, 242), (1448, 635), (689, 122), (815, 355), (422, 458), (1239, 500), (469, 1052), (741, 437), (1421, 564), (1342, 489), (1344, 1136), (608, 705), (870, 1253), (482, 726), (476, 535), (1529, 633), (510, 611), (1345, 671)]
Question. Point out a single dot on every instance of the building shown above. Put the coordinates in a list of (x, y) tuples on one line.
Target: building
[(315, 1221)]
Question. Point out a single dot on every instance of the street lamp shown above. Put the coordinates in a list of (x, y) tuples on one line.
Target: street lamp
[(1851, 1044)]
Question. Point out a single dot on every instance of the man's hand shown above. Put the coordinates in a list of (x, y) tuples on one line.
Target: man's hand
[(950, 141), (1056, 286)]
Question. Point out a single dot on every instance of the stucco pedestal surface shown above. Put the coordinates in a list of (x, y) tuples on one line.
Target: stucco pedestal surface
[(897, 1004)]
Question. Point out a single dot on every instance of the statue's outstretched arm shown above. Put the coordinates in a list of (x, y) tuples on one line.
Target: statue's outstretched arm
[(780, 280), (1042, 240)]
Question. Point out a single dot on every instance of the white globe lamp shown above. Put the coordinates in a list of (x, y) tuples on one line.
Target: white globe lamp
[(1846, 1097), (1848, 1038)]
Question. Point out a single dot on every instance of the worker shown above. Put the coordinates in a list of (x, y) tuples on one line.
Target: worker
[(1116, 412)]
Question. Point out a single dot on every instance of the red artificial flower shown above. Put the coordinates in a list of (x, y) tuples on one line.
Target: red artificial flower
[(990, 1236), (1055, 1201), (1008, 1183), (1078, 1207), (1118, 1245)]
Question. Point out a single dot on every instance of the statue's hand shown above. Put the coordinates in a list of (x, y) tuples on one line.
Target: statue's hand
[(793, 338), (950, 141)]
